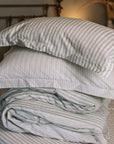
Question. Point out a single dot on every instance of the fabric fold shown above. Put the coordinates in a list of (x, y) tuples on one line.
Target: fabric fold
[(71, 101), (40, 112)]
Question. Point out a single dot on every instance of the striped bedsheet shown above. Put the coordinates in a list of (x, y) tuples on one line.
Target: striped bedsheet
[(8, 137), (42, 112)]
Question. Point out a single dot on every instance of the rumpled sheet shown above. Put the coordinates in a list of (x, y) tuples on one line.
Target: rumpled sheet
[(54, 113)]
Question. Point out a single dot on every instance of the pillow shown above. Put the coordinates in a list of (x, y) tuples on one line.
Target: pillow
[(85, 43), (24, 67)]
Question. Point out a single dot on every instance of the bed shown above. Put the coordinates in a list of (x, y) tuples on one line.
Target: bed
[(56, 79)]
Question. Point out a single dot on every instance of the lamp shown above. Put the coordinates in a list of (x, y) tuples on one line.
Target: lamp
[(109, 6)]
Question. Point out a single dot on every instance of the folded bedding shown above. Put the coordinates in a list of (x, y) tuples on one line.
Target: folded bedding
[(71, 101), (61, 79), (54, 113)]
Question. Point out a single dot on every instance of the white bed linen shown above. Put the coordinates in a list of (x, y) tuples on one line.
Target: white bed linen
[(30, 115), (23, 67), (8, 137), (85, 43)]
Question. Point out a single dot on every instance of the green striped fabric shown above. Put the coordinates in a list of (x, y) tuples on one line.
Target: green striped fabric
[(81, 42), (31, 111)]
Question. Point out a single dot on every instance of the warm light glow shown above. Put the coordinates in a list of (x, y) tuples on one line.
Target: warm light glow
[(73, 14), (78, 9), (70, 10), (90, 3), (109, 5)]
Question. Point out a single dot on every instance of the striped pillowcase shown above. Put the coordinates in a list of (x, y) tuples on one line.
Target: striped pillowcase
[(24, 67), (81, 42)]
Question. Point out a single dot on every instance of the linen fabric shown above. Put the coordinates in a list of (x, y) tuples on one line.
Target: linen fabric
[(8, 137), (23, 67), (24, 112), (85, 43), (71, 101)]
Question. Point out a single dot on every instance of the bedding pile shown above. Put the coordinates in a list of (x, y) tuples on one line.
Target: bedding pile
[(60, 76)]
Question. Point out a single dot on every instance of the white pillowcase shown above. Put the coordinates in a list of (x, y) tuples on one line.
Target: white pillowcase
[(24, 67), (85, 43)]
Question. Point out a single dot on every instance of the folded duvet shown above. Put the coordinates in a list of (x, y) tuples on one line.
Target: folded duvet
[(54, 113)]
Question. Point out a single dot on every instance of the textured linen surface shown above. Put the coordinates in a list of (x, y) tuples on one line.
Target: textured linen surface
[(71, 101), (23, 67), (85, 43), (28, 114), (8, 137)]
